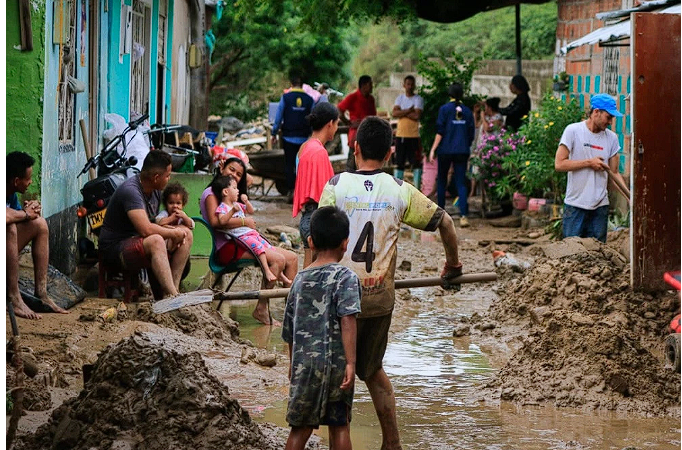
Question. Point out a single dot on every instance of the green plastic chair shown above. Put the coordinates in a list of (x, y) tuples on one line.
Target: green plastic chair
[(220, 269)]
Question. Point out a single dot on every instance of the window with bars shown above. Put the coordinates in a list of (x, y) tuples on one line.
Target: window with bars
[(163, 26), (66, 98), (611, 68)]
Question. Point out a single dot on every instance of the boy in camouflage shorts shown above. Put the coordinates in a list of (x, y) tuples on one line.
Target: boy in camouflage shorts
[(320, 328)]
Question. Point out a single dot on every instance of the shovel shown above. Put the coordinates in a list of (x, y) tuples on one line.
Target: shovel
[(399, 284)]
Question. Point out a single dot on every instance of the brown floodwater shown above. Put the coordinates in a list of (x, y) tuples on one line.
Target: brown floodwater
[(437, 380)]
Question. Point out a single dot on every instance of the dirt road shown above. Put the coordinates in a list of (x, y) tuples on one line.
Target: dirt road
[(566, 333)]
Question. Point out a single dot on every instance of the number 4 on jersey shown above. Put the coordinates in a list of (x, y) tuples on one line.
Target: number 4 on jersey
[(366, 240)]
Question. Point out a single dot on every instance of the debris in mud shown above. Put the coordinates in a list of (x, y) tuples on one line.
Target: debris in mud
[(259, 356), (592, 342), (143, 396), (197, 320)]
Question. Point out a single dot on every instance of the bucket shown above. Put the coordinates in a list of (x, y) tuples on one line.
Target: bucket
[(429, 177), (519, 201), (534, 204)]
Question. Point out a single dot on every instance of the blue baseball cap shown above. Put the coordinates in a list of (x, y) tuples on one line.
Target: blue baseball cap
[(605, 103)]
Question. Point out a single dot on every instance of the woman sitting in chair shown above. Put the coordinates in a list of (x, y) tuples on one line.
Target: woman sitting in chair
[(230, 250)]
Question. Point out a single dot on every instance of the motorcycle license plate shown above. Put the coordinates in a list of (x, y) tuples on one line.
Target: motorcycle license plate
[(96, 219)]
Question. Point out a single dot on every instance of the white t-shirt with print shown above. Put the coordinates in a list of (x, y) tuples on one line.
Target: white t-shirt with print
[(586, 188)]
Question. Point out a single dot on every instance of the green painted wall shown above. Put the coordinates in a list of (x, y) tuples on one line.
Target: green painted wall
[(25, 82)]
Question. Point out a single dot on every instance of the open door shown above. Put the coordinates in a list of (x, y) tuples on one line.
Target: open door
[(656, 149)]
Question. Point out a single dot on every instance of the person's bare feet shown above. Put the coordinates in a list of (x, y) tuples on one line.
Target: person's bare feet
[(285, 281), (271, 279), (262, 315), (47, 301), (22, 310)]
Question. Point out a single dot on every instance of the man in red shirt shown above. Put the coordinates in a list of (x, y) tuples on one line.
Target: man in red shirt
[(359, 105)]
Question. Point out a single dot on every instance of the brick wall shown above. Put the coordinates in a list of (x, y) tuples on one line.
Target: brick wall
[(587, 64)]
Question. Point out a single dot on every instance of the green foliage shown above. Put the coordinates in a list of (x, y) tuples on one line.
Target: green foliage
[(9, 404), (258, 44), (438, 75), (530, 169), (489, 35)]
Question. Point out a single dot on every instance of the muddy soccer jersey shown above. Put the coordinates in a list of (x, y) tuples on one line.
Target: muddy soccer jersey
[(376, 204), (319, 297)]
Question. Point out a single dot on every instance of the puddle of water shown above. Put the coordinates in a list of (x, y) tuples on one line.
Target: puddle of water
[(436, 378)]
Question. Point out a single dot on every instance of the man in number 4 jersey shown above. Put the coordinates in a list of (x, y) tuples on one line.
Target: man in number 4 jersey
[(376, 204)]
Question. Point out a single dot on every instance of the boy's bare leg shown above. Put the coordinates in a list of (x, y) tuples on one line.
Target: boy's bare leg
[(262, 311), (267, 270), (339, 438), (179, 258), (155, 246), (298, 437), (383, 397), (12, 249), (37, 232)]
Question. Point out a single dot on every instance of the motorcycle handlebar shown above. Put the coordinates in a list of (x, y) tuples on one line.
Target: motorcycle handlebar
[(135, 123)]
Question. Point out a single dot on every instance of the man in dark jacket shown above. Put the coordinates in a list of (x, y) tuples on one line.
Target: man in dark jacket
[(293, 108), (455, 133)]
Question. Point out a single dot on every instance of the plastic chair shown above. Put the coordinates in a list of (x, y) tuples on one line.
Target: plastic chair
[(220, 269)]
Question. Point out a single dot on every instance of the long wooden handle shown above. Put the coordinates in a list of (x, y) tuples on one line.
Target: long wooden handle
[(400, 284), (86, 145), (619, 184)]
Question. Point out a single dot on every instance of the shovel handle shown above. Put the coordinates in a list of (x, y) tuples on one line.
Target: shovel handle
[(400, 284)]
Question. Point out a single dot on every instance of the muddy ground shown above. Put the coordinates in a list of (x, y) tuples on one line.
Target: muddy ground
[(566, 332)]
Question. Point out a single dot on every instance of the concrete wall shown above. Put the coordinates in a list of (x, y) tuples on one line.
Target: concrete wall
[(25, 75), (180, 72), (492, 80)]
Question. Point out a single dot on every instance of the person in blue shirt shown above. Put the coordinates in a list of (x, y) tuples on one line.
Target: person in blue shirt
[(455, 131), (25, 224), (293, 108)]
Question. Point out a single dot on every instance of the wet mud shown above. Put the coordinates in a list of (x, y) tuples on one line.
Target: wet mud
[(583, 337), (142, 395)]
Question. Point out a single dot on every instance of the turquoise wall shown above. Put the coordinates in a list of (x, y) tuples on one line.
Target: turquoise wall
[(61, 188), (25, 74), (118, 70)]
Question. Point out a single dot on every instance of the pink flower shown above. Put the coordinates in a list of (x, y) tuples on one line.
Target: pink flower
[(496, 148)]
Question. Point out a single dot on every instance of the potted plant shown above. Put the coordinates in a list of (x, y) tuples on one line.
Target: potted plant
[(562, 81)]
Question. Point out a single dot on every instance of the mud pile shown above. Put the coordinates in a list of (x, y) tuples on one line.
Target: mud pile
[(142, 396), (198, 320), (591, 341)]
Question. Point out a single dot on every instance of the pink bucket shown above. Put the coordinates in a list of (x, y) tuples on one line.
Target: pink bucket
[(534, 204), (429, 177), (519, 201)]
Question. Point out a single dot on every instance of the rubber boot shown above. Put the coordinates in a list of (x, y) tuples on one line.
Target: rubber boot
[(398, 173), (417, 176)]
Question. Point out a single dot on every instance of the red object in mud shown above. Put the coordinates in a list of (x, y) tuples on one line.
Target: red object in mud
[(673, 279), (675, 324)]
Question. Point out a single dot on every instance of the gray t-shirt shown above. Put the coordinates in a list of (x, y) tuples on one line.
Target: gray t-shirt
[(586, 188), (128, 196)]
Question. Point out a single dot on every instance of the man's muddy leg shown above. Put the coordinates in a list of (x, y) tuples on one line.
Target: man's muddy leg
[(12, 249), (383, 397), (155, 246), (37, 232), (179, 259)]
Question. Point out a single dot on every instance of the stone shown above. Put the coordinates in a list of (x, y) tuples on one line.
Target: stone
[(461, 329), (534, 235)]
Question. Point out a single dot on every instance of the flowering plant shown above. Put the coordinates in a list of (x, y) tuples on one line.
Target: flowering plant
[(489, 157), (530, 170)]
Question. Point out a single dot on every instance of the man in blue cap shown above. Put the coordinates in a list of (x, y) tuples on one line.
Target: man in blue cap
[(587, 151)]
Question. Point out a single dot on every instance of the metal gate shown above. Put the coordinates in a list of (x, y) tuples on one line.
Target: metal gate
[(140, 57), (656, 148)]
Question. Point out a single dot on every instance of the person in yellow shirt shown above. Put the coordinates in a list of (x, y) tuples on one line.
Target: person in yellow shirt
[(408, 110)]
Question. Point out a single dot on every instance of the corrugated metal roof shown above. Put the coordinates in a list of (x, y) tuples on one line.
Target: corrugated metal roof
[(614, 32), (645, 6)]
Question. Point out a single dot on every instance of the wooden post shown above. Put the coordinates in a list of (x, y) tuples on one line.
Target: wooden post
[(88, 151), (25, 24)]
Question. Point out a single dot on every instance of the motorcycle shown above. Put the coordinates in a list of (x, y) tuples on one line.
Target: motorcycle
[(113, 168)]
